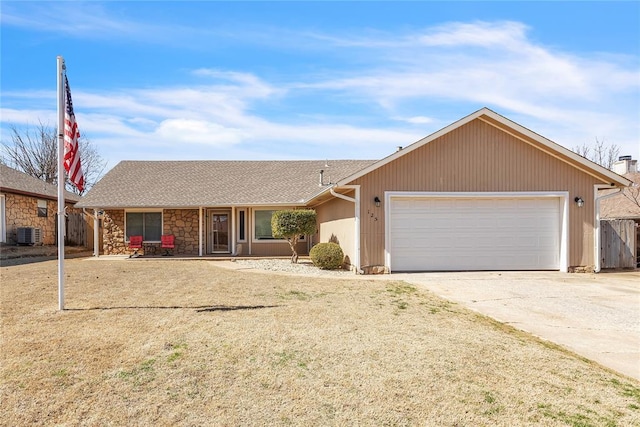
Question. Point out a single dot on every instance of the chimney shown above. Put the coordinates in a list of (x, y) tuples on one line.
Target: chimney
[(399, 148), (625, 165), (321, 178)]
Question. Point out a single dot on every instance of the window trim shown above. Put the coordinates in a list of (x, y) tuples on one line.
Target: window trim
[(42, 211), (242, 228), (143, 211), (273, 239), (3, 219)]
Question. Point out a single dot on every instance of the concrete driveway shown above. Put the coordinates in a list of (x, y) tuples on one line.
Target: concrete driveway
[(594, 315)]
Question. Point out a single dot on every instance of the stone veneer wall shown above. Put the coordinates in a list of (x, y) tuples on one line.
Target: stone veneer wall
[(113, 233), (22, 211), (183, 224)]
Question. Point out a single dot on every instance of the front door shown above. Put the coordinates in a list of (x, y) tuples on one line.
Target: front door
[(219, 232)]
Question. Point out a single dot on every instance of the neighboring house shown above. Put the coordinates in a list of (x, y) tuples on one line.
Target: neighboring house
[(625, 205), (26, 201), (483, 193)]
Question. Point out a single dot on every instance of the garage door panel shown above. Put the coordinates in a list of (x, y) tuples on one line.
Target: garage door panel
[(474, 233)]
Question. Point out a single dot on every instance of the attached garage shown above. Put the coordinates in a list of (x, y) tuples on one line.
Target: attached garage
[(483, 193), (474, 231)]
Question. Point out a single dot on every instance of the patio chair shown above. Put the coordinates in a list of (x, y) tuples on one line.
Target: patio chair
[(135, 243), (167, 242)]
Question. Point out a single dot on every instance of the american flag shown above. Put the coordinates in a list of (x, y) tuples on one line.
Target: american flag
[(71, 147)]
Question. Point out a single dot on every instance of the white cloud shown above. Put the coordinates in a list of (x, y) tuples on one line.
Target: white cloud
[(251, 85), (188, 131), (89, 20), (27, 117), (395, 87), (504, 35), (418, 120), (574, 96)]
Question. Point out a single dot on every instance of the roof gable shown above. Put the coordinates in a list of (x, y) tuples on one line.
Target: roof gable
[(520, 132), (14, 181)]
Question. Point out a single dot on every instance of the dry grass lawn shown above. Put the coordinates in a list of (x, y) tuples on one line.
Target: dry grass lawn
[(170, 342)]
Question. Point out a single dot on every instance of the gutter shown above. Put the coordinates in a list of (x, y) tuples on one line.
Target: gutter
[(598, 249), (217, 205), (67, 200), (356, 201)]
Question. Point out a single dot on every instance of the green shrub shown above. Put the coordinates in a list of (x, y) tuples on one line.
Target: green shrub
[(291, 224), (327, 256)]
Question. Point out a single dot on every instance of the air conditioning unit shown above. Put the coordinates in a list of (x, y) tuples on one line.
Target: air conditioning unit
[(29, 236)]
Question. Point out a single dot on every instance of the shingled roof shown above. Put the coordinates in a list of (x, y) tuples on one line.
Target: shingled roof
[(182, 184), (621, 206), (14, 181)]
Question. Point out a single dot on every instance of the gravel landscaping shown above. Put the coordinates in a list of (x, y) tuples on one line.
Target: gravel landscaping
[(303, 267)]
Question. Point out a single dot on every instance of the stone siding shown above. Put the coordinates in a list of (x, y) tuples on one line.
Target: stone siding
[(113, 233), (183, 224), (22, 211)]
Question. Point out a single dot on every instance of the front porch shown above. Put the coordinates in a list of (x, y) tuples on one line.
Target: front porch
[(198, 233)]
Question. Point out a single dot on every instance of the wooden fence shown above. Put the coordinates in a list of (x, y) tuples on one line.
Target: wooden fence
[(618, 240), (76, 227)]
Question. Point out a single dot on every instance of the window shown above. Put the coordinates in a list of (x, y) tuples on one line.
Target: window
[(262, 226), (242, 225), (42, 208), (145, 224)]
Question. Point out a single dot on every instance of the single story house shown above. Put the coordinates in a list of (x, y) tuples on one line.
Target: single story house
[(625, 204), (26, 201), (483, 193)]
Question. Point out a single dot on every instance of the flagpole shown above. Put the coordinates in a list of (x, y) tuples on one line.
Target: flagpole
[(61, 181)]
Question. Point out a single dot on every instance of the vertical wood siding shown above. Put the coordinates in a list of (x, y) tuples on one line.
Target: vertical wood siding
[(76, 228), (477, 157), (618, 241)]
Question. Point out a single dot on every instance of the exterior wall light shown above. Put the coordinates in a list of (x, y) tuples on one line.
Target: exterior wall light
[(579, 201), (377, 201)]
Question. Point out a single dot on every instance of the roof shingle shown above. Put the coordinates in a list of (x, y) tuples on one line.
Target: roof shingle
[(145, 184), (621, 206), (14, 181)]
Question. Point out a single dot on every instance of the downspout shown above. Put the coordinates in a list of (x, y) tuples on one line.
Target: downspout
[(96, 235), (598, 249), (356, 201)]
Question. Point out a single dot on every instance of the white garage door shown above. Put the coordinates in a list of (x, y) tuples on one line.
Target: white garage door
[(449, 234)]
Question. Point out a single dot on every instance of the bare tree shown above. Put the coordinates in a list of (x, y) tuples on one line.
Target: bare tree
[(600, 153), (34, 151), (633, 193)]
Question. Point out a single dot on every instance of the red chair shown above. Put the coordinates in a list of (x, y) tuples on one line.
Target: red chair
[(167, 242), (135, 243)]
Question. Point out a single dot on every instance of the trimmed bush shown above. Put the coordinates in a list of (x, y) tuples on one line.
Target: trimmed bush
[(291, 224), (327, 256)]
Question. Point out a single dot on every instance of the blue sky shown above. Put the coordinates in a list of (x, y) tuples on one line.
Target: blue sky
[(319, 80)]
